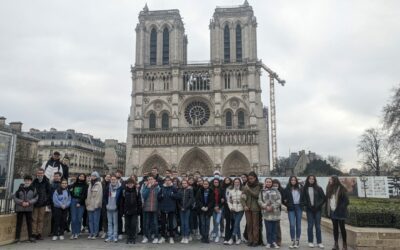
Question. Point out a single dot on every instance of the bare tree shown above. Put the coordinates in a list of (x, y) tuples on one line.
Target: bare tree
[(335, 161), (391, 122), (371, 149)]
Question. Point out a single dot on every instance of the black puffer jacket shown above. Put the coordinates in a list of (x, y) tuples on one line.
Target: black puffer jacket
[(131, 201), (43, 190), (200, 202), (186, 198)]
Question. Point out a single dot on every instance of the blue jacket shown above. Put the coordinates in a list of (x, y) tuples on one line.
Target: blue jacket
[(61, 199), (167, 198), (149, 195)]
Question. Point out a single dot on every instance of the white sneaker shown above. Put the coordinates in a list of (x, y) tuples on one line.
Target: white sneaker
[(217, 239), (320, 245), (183, 240), (115, 240), (160, 241), (107, 240), (103, 235), (94, 237), (120, 237), (297, 244), (186, 241), (292, 245), (230, 242), (155, 241), (310, 244), (62, 237), (145, 240), (72, 237), (268, 246), (76, 236), (238, 241), (55, 237), (225, 242), (274, 245), (171, 240), (190, 238), (89, 237)]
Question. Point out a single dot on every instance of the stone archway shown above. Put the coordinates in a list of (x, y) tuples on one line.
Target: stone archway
[(155, 160), (196, 160), (236, 163)]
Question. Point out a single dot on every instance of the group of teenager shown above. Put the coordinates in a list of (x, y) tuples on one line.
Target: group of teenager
[(161, 209)]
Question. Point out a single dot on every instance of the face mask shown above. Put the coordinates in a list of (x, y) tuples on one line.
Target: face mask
[(40, 178), (216, 176)]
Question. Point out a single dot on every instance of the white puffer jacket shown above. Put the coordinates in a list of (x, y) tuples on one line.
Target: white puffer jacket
[(234, 202)]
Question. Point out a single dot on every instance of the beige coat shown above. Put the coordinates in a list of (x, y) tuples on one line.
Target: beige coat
[(94, 197), (234, 199)]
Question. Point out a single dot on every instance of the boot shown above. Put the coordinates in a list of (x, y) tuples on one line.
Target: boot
[(336, 246), (344, 245)]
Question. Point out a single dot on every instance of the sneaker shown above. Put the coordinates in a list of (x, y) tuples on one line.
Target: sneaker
[(216, 239), (225, 242), (198, 237), (310, 244), (190, 238), (238, 241), (62, 237), (103, 235), (76, 236), (171, 240), (94, 237), (107, 240), (89, 237), (186, 241), (54, 238), (293, 244), (155, 241), (145, 240), (268, 246), (297, 244), (321, 246), (274, 245), (183, 240), (162, 240), (72, 237), (120, 237), (115, 240)]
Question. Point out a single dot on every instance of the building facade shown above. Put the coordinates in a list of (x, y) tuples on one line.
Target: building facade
[(85, 153), (197, 116), (115, 155)]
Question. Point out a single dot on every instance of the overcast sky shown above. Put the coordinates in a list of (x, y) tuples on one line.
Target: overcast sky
[(66, 64)]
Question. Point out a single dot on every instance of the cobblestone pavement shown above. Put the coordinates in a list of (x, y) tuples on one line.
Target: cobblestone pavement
[(84, 243)]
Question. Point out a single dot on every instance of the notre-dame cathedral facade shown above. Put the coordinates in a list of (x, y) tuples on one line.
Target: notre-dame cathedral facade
[(197, 116)]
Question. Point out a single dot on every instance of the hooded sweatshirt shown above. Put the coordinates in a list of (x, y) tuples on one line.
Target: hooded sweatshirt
[(61, 197), (113, 195)]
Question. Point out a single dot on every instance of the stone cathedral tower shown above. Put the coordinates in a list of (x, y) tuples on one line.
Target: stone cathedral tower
[(197, 116)]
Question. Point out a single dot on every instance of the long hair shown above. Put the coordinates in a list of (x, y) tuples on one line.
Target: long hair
[(331, 189), (295, 186), (226, 186), (308, 184), (240, 181)]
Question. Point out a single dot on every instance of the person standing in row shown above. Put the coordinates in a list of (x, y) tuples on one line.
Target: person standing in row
[(103, 217), (185, 203), (276, 184), (78, 192), (337, 202), (314, 199), (113, 194), (250, 195), (25, 197), (219, 199), (233, 199), (227, 215), (150, 192), (132, 203), (205, 205), (43, 189), (292, 199), (167, 199), (270, 202), (93, 204), (61, 201)]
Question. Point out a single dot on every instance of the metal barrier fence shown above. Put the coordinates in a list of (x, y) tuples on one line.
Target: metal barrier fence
[(7, 206)]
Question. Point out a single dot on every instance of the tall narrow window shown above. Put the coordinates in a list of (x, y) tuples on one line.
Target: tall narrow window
[(228, 119), (241, 119), (165, 53), (238, 43), (239, 80), (153, 47), (152, 121), (227, 79), (227, 44), (165, 121)]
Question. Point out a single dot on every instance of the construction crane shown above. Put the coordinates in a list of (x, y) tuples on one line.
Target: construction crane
[(272, 77)]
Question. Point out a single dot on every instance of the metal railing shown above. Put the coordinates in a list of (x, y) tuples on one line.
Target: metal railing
[(7, 206)]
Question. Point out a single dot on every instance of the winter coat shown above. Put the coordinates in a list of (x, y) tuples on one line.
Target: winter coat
[(221, 197), (288, 198), (341, 212), (167, 198), (78, 191), (270, 197), (186, 198), (52, 166), (150, 197), (25, 194), (43, 190), (131, 201), (62, 198), (94, 197), (201, 202), (233, 197), (250, 194), (319, 199), (112, 197)]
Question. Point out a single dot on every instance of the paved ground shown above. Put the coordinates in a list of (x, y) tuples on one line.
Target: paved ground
[(84, 243)]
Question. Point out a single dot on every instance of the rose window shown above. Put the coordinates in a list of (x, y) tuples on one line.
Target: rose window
[(197, 113)]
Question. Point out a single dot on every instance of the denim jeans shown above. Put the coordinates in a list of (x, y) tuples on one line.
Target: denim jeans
[(205, 225), (94, 221), (112, 218), (185, 215), (76, 216), (216, 222), (295, 222), (237, 217), (314, 218), (270, 227), (150, 224)]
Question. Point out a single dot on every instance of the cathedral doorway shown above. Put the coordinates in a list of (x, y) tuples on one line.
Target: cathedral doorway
[(236, 164), (196, 160), (155, 160)]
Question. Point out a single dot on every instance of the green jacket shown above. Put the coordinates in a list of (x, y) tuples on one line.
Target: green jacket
[(250, 197)]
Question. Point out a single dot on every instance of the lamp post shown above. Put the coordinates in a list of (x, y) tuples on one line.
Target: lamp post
[(364, 179)]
